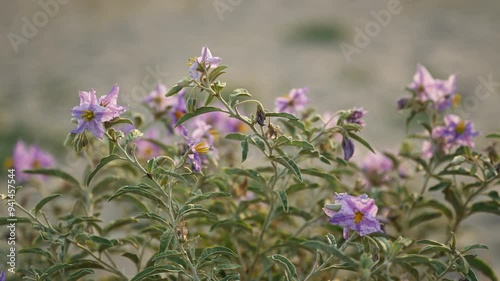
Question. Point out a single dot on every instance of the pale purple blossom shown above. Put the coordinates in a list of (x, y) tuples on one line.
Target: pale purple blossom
[(440, 92), (110, 100), (28, 158), (294, 102), (178, 108), (376, 168), (157, 100), (356, 213), (91, 115), (196, 149), (207, 59), (146, 149)]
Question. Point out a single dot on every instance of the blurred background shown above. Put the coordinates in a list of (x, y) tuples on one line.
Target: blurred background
[(52, 49)]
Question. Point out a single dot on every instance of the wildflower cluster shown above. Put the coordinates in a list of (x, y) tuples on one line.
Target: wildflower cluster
[(212, 184)]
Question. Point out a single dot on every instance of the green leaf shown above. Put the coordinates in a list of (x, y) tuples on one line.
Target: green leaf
[(9, 220), (494, 135), (440, 186), (475, 246), (289, 164), (154, 270), (191, 208), (233, 98), (246, 173), (282, 115), (117, 121), (229, 223), (166, 254), (101, 240), (152, 216), (235, 136), (302, 144), (54, 173), (227, 266), (491, 207), (45, 201), (133, 257), (165, 240), (35, 251), (289, 268), (438, 206), (434, 249), (79, 274), (174, 90), (217, 250), (198, 111), (244, 149), (101, 164), (207, 195), (132, 135), (361, 141), (424, 217), (117, 224), (318, 173), (161, 171), (140, 191), (216, 72), (284, 199), (413, 259), (258, 142), (483, 267), (329, 249)]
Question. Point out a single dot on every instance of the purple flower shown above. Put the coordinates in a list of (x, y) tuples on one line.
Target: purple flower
[(295, 101), (440, 92), (348, 147), (2, 275), (197, 148), (146, 149), (178, 108), (356, 213), (110, 100), (223, 124), (207, 59), (375, 168), (28, 158), (91, 115), (355, 117), (455, 132), (157, 100)]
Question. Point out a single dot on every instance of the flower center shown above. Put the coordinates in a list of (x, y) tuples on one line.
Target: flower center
[(202, 147), (358, 216), (460, 127), (178, 114), (456, 100), (420, 89), (88, 115), (36, 164)]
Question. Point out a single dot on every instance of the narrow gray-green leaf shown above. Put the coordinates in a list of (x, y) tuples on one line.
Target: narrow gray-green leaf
[(45, 201), (198, 111), (101, 164)]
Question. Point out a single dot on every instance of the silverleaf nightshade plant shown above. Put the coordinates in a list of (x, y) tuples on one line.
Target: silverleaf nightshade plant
[(197, 189)]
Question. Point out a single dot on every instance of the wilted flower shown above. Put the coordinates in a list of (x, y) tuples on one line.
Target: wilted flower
[(294, 102), (356, 213), (376, 167), (157, 100), (91, 113), (355, 117), (207, 59), (28, 158), (260, 116), (348, 147)]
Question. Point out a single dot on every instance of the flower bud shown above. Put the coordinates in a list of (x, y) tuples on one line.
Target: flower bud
[(260, 117)]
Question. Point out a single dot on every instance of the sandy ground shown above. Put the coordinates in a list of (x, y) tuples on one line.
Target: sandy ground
[(270, 46)]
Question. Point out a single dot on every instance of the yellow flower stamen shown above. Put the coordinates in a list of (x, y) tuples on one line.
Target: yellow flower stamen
[(456, 100), (358, 216), (460, 127), (202, 147), (178, 114), (36, 164), (88, 115), (8, 163)]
